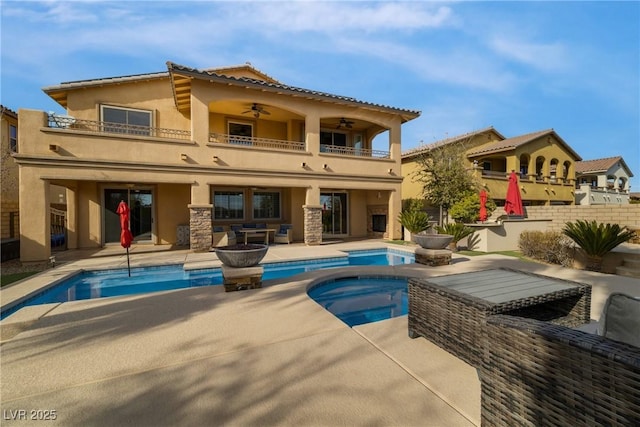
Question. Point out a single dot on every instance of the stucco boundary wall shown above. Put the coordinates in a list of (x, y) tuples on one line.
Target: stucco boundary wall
[(624, 215)]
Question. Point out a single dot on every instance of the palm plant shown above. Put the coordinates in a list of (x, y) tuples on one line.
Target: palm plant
[(456, 229), (415, 221), (596, 239)]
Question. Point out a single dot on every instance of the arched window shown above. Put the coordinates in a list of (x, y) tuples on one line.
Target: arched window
[(553, 169), (539, 168), (524, 166)]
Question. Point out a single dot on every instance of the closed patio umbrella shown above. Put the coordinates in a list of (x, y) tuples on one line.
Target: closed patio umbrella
[(125, 234), (513, 201), (483, 206)]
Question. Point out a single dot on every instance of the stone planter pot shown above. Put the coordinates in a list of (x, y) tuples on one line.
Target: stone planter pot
[(432, 241), (241, 255)]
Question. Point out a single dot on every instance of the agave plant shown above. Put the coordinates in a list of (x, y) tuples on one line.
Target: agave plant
[(415, 221), (596, 239), (456, 229)]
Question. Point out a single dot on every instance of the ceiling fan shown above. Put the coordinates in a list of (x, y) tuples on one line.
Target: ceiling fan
[(256, 110), (344, 123)]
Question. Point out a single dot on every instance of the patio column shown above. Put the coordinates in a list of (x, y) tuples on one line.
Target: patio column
[(312, 217), (72, 218), (35, 217), (395, 206), (200, 218), (312, 126)]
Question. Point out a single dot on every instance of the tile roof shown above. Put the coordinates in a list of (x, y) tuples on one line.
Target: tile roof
[(8, 112), (105, 80), (510, 144), (279, 87), (600, 165), (423, 148)]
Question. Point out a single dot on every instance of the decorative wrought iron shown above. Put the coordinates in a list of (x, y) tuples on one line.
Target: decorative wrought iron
[(72, 123), (247, 141), (355, 152)]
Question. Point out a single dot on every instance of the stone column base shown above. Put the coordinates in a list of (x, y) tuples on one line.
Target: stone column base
[(200, 227), (433, 257), (312, 225), (236, 279)]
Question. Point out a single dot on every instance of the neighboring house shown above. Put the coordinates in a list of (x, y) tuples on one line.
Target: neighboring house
[(208, 148), (545, 164), (9, 198), (603, 181)]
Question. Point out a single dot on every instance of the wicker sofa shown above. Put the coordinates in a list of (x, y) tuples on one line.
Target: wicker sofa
[(535, 373)]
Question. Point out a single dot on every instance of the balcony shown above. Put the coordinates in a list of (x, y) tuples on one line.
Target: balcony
[(247, 141), (354, 152), (71, 123)]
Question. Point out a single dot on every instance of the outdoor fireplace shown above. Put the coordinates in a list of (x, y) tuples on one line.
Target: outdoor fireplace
[(379, 223)]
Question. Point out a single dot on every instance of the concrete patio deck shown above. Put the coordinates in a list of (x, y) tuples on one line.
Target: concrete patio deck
[(269, 356)]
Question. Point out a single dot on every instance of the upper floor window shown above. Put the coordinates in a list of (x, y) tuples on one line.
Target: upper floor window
[(266, 205), (333, 138), (13, 138), (228, 205), (126, 120), (242, 130)]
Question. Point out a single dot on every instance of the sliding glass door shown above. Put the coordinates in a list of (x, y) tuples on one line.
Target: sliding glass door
[(334, 214), (140, 201)]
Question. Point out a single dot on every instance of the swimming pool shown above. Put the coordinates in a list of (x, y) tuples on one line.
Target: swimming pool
[(116, 282), (363, 299)]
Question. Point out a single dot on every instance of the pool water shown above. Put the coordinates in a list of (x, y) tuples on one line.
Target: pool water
[(116, 282), (359, 300)]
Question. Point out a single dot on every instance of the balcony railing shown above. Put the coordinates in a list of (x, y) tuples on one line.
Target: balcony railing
[(355, 152), (71, 123), (247, 141)]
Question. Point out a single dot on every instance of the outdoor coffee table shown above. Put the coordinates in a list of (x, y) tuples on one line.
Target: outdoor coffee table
[(266, 232), (451, 310)]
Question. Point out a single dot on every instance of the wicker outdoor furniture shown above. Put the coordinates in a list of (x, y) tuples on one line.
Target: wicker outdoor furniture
[(535, 373), (451, 310)]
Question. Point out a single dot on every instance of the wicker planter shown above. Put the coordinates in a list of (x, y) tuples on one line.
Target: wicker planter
[(593, 263), (241, 255)]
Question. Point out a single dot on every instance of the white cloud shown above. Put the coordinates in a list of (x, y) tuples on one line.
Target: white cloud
[(546, 57)]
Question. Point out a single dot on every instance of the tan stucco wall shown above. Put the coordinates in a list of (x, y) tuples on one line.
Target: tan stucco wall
[(627, 215)]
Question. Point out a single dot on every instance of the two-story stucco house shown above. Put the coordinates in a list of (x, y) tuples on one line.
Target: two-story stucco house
[(603, 181), (544, 161), (204, 149)]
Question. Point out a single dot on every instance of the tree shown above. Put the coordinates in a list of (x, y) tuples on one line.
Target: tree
[(467, 208), (444, 176)]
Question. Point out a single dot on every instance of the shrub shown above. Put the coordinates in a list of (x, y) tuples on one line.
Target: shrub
[(548, 246), (456, 229), (412, 217), (596, 239), (467, 209)]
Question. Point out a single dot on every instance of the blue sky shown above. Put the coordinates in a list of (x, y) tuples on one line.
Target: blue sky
[(518, 66)]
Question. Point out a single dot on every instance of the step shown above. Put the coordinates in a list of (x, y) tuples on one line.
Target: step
[(628, 272)]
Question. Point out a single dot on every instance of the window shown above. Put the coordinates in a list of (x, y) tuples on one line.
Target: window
[(228, 205), (126, 120), (333, 138), (13, 138), (266, 205), (242, 130)]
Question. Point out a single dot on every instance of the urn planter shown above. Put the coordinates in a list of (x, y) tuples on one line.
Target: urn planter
[(432, 241), (241, 255)]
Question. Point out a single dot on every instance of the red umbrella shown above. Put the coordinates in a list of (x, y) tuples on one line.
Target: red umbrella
[(125, 234), (483, 205), (513, 201)]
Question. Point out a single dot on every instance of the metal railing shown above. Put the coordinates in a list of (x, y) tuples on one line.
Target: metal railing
[(57, 121), (247, 141), (354, 152)]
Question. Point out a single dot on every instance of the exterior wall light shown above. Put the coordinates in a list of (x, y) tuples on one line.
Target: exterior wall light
[(183, 156), (215, 158), (53, 147), (390, 171), (303, 164), (325, 166)]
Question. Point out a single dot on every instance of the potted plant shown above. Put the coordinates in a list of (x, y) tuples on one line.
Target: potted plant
[(413, 218), (596, 239), (456, 229)]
